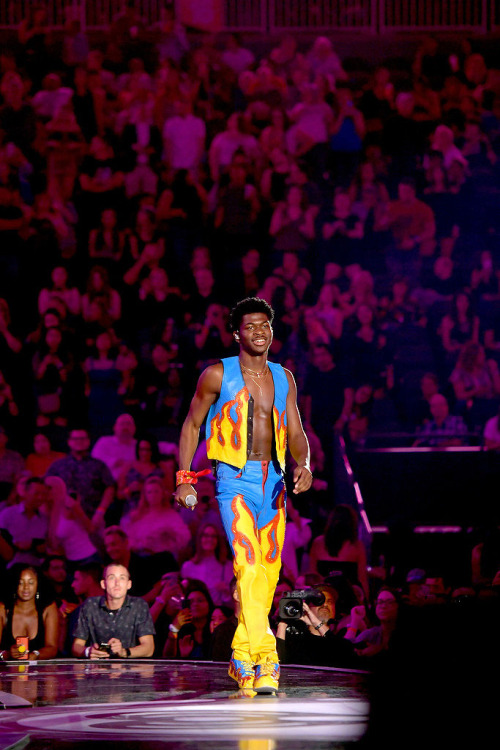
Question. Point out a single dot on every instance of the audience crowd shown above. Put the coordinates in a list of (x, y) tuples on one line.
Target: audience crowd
[(147, 183)]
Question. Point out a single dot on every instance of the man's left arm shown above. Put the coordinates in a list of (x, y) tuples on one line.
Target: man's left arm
[(144, 648), (297, 440)]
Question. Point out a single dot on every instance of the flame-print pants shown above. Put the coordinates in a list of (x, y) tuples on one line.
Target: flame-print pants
[(252, 504)]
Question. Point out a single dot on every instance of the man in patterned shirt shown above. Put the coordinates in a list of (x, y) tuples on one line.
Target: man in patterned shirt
[(116, 624)]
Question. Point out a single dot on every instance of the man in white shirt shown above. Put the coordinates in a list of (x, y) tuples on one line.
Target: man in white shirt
[(117, 449), (184, 138)]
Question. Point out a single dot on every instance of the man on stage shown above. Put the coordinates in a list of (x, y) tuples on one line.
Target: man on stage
[(252, 412)]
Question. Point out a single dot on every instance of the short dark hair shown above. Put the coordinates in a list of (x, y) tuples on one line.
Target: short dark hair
[(93, 570), (247, 306)]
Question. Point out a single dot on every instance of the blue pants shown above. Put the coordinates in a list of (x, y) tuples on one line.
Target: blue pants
[(252, 504)]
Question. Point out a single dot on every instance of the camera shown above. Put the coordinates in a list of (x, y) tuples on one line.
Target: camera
[(291, 606), (105, 647)]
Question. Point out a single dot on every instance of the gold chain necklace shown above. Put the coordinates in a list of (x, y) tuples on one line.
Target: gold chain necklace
[(257, 374)]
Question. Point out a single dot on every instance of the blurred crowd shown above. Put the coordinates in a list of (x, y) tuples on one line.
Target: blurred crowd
[(150, 180)]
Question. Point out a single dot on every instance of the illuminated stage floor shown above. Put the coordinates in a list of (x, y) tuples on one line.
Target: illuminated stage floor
[(174, 704)]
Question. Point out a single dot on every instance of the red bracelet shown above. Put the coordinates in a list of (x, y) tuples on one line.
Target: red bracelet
[(189, 477)]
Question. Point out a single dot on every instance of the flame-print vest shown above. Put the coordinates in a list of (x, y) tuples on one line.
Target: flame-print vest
[(230, 418)]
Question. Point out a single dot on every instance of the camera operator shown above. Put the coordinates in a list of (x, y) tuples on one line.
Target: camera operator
[(309, 639), (116, 624)]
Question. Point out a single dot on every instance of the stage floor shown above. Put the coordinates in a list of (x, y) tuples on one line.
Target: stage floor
[(174, 704)]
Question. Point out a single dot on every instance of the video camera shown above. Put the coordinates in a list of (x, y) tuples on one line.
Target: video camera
[(291, 606)]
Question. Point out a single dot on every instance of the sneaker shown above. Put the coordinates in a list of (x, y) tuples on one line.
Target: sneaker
[(242, 672), (267, 677)]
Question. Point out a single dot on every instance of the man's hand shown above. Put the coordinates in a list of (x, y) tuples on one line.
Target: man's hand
[(96, 653), (182, 491), (117, 648), (302, 479)]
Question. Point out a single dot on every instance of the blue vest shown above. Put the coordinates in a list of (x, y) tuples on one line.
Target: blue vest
[(230, 419)]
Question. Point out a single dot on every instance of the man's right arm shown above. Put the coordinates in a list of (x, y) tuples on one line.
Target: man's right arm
[(207, 390)]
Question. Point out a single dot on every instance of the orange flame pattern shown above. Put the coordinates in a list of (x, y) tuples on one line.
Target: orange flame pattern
[(242, 542), (274, 531), (227, 437), (280, 434)]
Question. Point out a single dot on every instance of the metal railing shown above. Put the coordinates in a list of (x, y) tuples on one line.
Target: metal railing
[(375, 16)]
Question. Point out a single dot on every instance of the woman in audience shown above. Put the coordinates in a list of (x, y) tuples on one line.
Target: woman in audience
[(28, 617), (210, 563), (70, 530), (189, 635), (340, 548), (99, 290), (59, 289), (133, 476), (42, 457)]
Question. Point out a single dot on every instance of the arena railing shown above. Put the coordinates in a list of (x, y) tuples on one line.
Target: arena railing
[(373, 16)]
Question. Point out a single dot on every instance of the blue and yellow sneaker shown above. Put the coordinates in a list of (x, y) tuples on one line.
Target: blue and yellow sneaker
[(242, 672), (267, 677)]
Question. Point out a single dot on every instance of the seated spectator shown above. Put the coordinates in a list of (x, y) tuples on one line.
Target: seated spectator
[(119, 449), (89, 477), (375, 640), (474, 377), (145, 571), (184, 138), (210, 563), (236, 56), (133, 474), (346, 140), (310, 640), (24, 526), (297, 537), (41, 459), (460, 325), (129, 634), (340, 548), (444, 429), (29, 617), (155, 526), (223, 627), (225, 144), (189, 636)]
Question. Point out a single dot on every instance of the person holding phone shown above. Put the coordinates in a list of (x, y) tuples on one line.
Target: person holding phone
[(116, 624)]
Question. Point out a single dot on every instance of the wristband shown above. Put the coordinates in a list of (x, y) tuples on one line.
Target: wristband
[(87, 652), (173, 629), (319, 625), (36, 654), (127, 653), (189, 477)]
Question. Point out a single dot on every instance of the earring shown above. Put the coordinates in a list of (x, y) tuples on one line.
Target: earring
[(37, 595)]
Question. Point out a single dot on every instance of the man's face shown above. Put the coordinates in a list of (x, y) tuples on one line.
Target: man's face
[(439, 407), (35, 496), (406, 193), (124, 426), (79, 441), (322, 359), (57, 571), (80, 583), (255, 333), (117, 582), (115, 546), (325, 611)]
